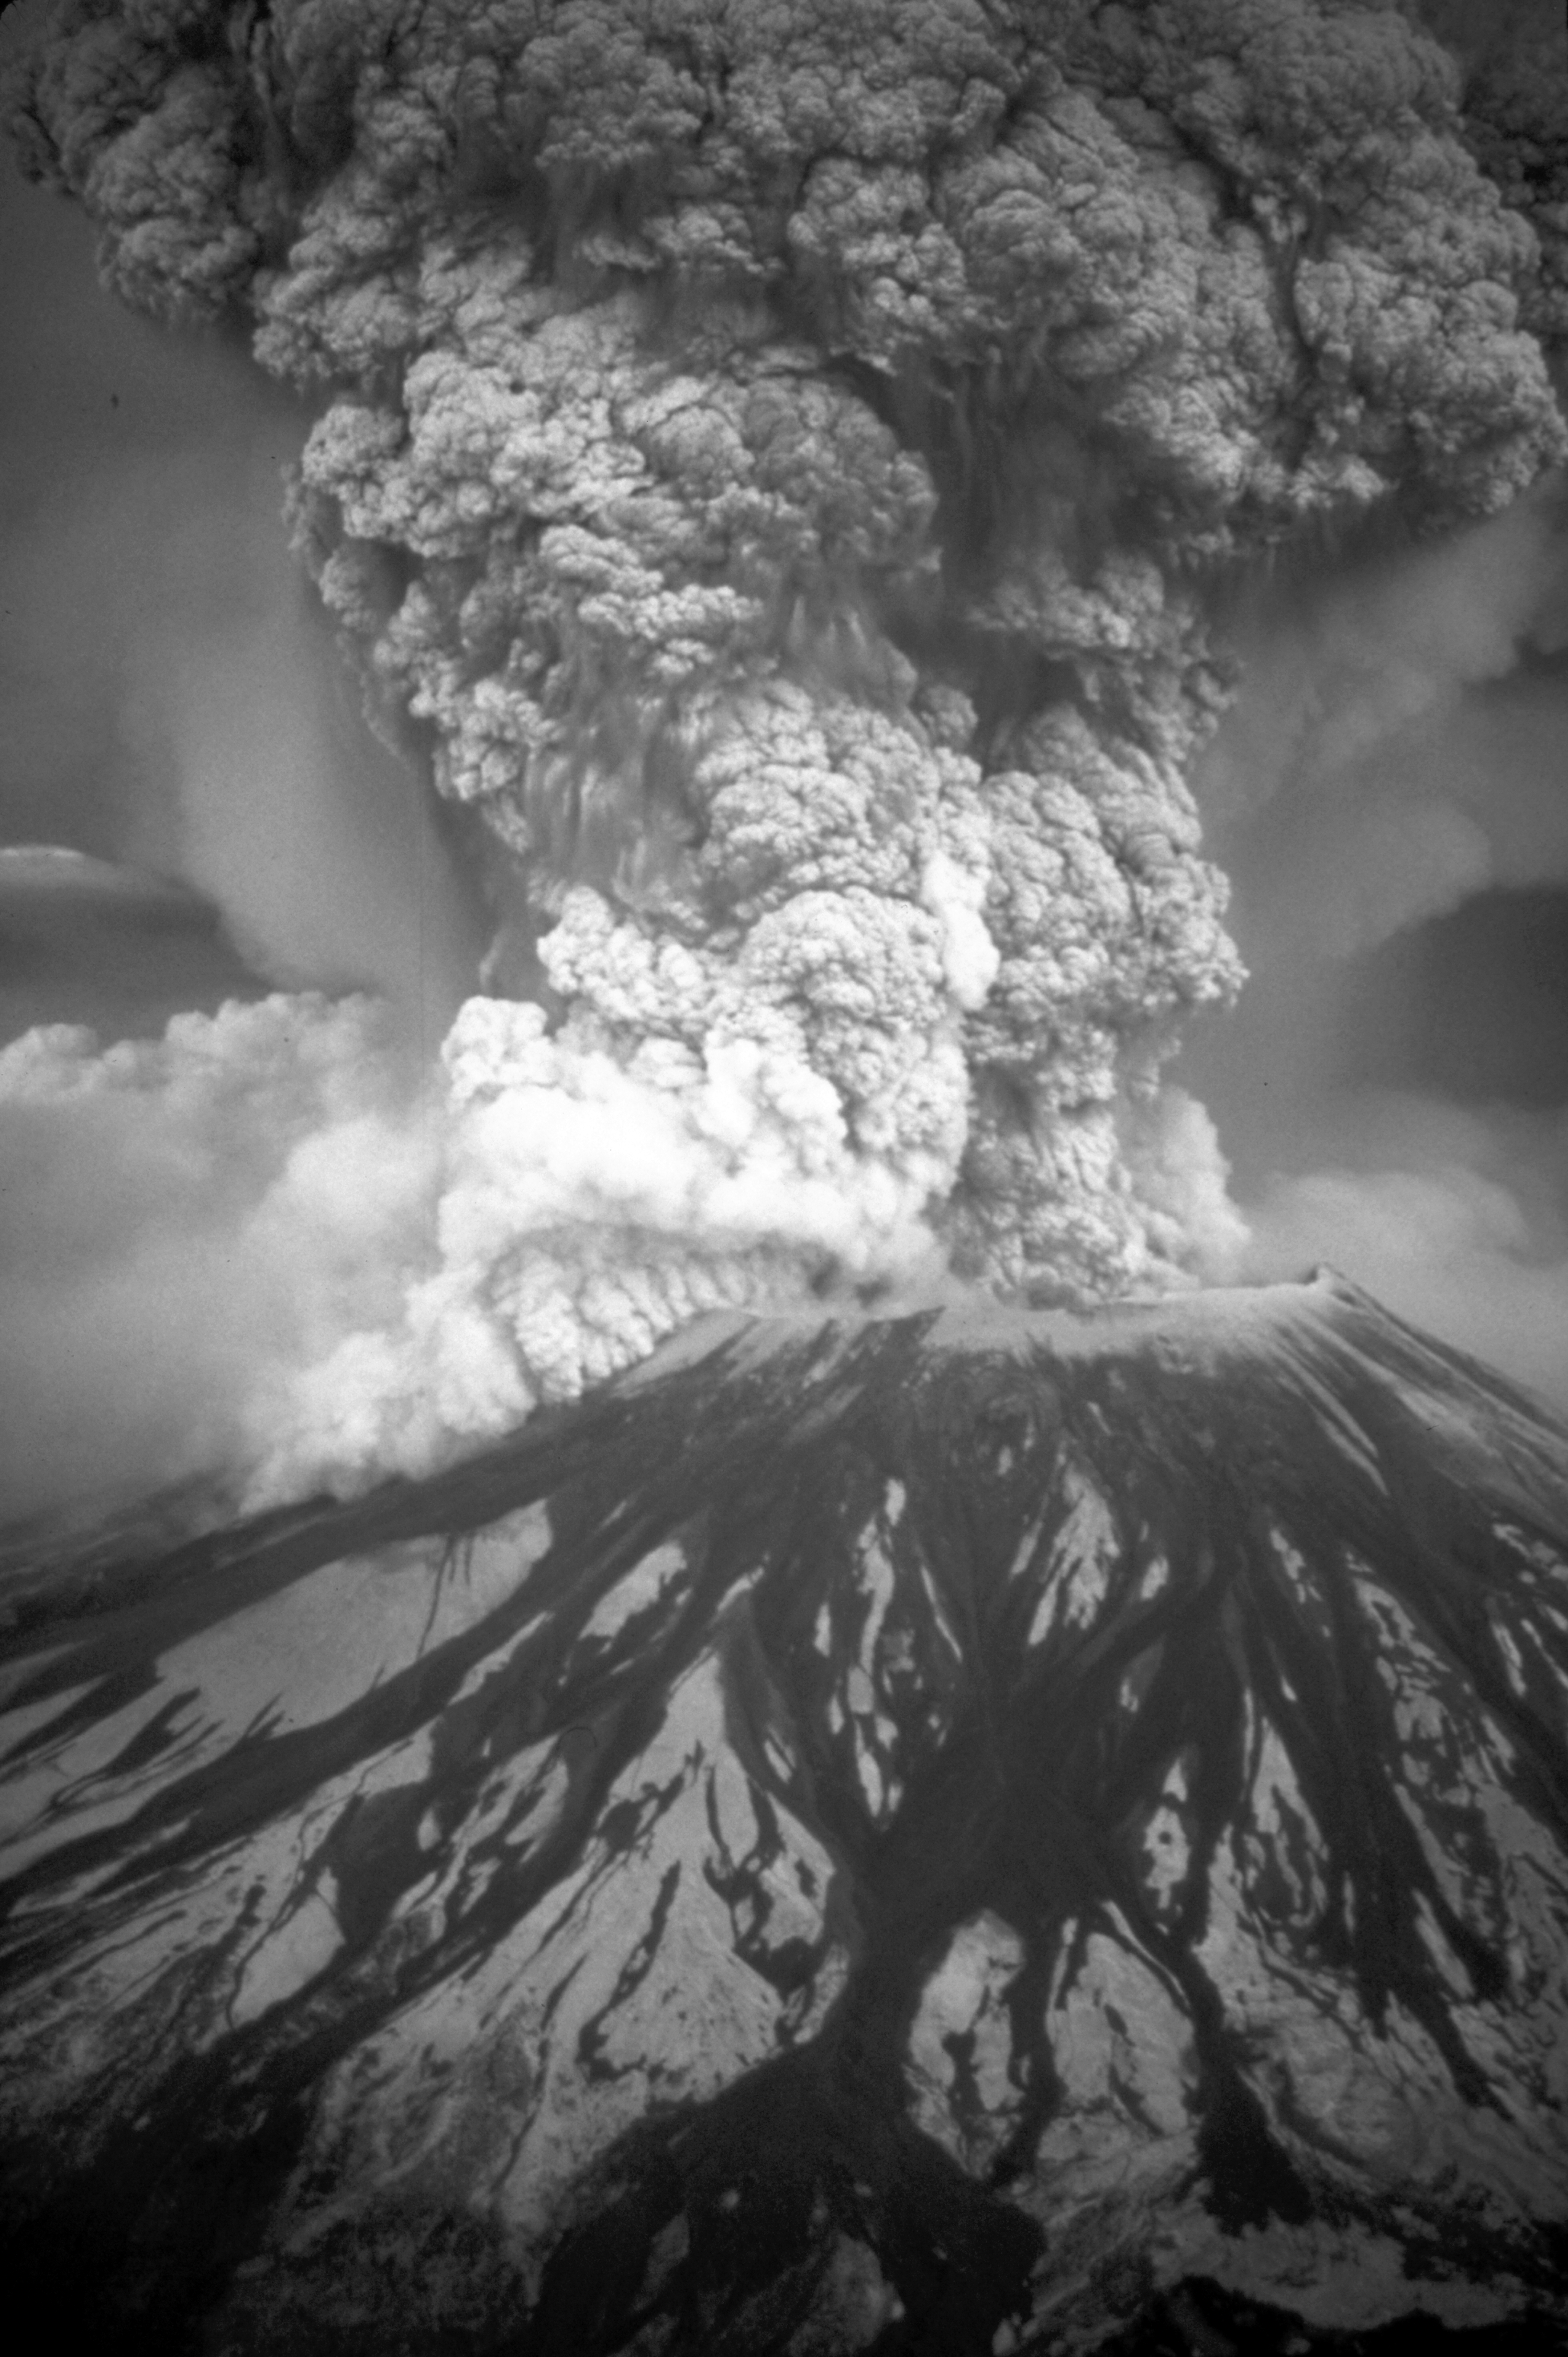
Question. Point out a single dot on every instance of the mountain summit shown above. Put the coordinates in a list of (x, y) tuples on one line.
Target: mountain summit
[(957, 1832)]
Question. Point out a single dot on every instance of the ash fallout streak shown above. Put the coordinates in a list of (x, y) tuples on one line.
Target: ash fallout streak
[(1073, 1832)]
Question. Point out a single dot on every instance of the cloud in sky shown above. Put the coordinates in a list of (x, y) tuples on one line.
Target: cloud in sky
[(1398, 750)]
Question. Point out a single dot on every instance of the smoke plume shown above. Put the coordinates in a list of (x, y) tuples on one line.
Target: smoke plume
[(779, 466)]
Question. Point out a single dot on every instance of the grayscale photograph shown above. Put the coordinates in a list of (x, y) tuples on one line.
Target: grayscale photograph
[(784, 1178)]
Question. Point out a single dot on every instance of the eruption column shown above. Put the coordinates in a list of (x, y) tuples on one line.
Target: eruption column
[(773, 457)]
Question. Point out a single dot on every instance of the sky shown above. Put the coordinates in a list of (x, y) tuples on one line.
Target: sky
[(174, 710), (1389, 798), (1388, 795), (171, 699)]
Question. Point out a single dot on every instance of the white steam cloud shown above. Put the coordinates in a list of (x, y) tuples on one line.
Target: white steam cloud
[(182, 1222), (293, 1260)]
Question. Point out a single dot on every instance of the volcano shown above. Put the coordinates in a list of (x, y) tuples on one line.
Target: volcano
[(966, 1831)]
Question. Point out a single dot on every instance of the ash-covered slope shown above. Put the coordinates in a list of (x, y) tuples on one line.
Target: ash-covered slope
[(916, 1834)]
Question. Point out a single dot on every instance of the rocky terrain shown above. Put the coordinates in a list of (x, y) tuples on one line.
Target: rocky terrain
[(968, 1831)]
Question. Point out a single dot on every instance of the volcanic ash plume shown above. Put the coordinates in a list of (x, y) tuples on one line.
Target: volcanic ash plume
[(772, 456)]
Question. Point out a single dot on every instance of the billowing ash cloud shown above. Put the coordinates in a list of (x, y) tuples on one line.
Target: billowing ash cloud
[(774, 456)]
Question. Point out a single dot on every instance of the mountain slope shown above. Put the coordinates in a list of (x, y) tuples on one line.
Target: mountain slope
[(915, 1833)]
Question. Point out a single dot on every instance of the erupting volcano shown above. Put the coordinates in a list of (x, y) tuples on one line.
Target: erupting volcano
[(682, 1672)]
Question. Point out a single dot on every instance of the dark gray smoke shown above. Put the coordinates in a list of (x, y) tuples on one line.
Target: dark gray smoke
[(787, 470)]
